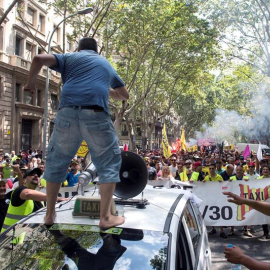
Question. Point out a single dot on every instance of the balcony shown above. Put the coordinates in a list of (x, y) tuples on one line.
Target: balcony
[(18, 61)]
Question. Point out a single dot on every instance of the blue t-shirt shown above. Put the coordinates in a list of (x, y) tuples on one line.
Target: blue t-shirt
[(87, 78), (72, 178)]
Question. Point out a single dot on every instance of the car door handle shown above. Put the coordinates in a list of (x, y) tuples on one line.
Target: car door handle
[(207, 253)]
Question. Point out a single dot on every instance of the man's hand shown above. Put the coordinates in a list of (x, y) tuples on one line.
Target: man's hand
[(62, 199), (16, 168), (234, 255), (234, 198)]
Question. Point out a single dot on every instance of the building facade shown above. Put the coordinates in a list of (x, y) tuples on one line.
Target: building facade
[(25, 33)]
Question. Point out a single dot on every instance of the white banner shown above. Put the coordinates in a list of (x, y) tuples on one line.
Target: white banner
[(217, 211)]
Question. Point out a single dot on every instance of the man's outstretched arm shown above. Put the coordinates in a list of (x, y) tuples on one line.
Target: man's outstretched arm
[(37, 63), (262, 207), (236, 255)]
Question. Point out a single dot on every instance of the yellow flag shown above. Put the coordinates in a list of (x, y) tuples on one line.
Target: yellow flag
[(165, 145), (83, 149), (183, 140)]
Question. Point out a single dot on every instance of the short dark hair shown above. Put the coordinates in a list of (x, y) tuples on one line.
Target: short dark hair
[(88, 44)]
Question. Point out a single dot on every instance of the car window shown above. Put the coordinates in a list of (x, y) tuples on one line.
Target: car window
[(33, 246), (183, 257), (191, 221), (198, 214)]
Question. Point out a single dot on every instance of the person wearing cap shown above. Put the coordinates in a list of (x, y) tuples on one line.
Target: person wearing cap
[(73, 176), (25, 200), (187, 170), (251, 173), (197, 174)]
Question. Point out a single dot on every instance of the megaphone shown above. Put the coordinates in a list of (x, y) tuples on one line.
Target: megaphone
[(133, 175)]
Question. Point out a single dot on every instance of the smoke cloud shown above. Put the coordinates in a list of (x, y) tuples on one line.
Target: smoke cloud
[(230, 126)]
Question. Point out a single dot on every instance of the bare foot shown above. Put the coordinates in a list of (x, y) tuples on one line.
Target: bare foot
[(49, 219), (110, 222)]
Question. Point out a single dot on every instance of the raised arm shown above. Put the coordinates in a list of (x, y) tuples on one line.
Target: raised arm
[(37, 63), (31, 194), (262, 207)]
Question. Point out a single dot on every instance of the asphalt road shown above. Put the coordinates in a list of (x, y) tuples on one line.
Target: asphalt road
[(257, 246)]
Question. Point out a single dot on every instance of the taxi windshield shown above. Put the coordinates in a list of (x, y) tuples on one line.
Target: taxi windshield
[(66, 246)]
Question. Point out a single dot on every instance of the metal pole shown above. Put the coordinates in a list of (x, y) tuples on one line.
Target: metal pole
[(47, 90), (80, 12)]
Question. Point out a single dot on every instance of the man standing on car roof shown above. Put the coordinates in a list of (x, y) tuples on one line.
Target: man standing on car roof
[(88, 81)]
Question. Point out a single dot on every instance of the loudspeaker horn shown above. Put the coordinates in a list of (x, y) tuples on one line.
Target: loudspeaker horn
[(133, 175)]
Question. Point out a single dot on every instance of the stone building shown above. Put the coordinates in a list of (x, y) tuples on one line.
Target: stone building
[(23, 35)]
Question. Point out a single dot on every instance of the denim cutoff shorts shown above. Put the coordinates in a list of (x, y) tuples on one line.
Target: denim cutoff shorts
[(71, 126)]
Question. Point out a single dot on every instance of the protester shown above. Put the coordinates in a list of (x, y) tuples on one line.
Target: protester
[(197, 174), (226, 175), (152, 172), (239, 176), (73, 176), (158, 168), (213, 176), (25, 200), (251, 174), (173, 166), (4, 201)]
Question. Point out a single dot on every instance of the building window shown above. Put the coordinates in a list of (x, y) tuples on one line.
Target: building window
[(17, 92), (29, 50), (30, 16), (28, 98), (39, 92), (1, 86), (54, 102), (68, 46), (124, 131), (41, 26), (57, 35), (138, 130), (1, 38), (18, 46)]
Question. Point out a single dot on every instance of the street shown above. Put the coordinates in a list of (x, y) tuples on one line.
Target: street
[(256, 247)]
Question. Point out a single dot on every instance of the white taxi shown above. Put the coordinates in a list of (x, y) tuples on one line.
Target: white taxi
[(163, 229)]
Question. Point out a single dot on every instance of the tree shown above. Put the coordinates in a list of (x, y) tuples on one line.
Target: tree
[(244, 25), (9, 9), (158, 60)]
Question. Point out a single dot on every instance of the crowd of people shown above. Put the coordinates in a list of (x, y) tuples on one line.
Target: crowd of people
[(205, 166)]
